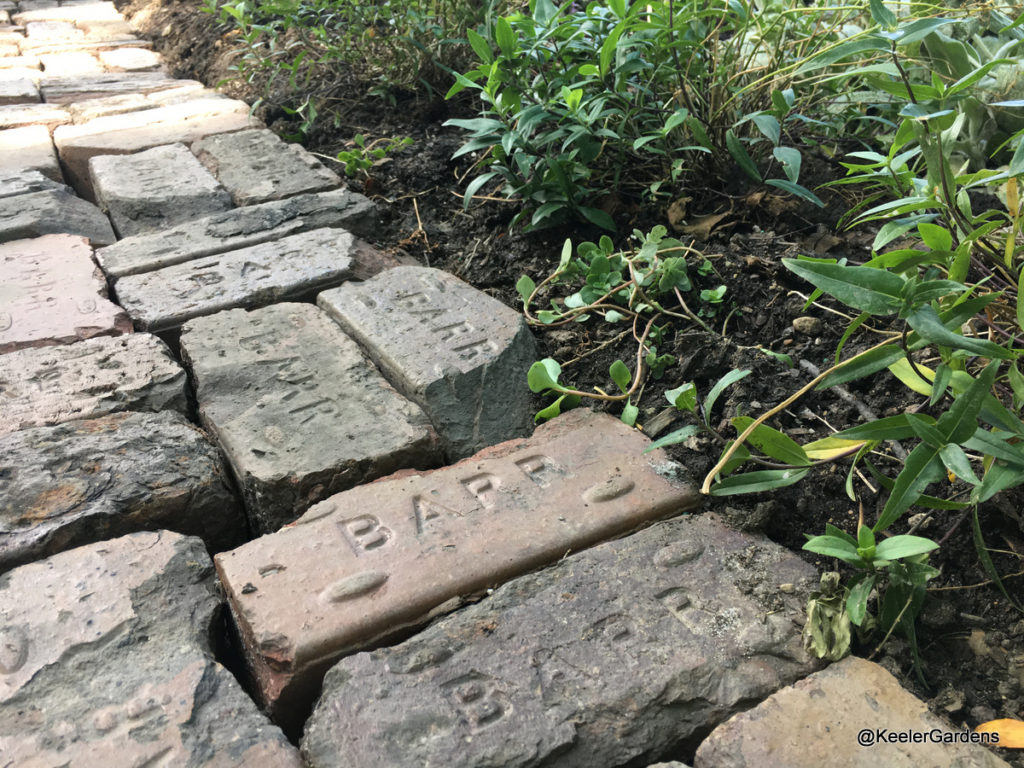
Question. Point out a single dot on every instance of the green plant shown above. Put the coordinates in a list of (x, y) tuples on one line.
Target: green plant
[(362, 156), (581, 107)]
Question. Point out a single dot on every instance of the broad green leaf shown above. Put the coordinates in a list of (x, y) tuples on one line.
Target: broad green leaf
[(831, 546), (926, 501), (889, 428), (543, 375), (955, 460), (893, 229), (999, 478), (598, 217), (629, 414), (727, 380), (921, 468), (829, 448), (555, 409), (772, 442), (474, 186), (935, 237), (896, 547), (881, 15), (480, 46), (754, 482), (836, 53), (925, 320), (683, 397), (831, 530), (608, 48), (919, 29), (996, 445), (865, 288), (525, 288), (769, 126), (739, 154), (943, 375), (925, 431), (674, 438), (620, 375), (911, 376), (505, 36), (857, 601), (865, 537)]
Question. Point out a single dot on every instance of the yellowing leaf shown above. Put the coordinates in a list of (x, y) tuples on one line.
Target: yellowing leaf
[(829, 448), (901, 370), (1011, 732)]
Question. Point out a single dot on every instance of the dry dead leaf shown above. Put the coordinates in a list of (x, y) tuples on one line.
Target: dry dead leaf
[(677, 213), (702, 226)]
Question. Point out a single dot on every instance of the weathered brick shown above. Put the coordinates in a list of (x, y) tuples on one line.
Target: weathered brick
[(816, 722), (365, 563), (294, 267), (47, 115), (108, 661), (18, 62), (52, 212), (130, 59), (256, 166), (54, 294), (72, 64), (39, 47), (67, 90), (127, 133), (612, 657), (29, 147), (288, 396), (155, 189), (472, 382), (69, 13), (87, 481), (84, 111), (26, 182), (239, 228), (15, 88), (53, 385), (50, 32)]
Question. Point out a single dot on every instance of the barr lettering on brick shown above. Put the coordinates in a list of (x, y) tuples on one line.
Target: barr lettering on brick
[(53, 293), (611, 657), (367, 562), (289, 398), (471, 383)]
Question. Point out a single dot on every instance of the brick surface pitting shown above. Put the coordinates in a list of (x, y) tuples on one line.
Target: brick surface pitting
[(383, 556), (294, 267), (29, 147), (472, 384), (84, 111), (810, 724), (135, 131), (53, 212), (610, 658), (239, 228), (155, 189), (107, 661), (257, 166), (66, 90), (26, 182), (86, 481), (288, 396), (22, 115), (53, 293), (52, 385)]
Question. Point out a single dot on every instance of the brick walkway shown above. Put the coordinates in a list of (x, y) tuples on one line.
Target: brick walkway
[(233, 432)]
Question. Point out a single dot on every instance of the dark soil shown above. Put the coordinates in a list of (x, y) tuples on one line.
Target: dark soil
[(971, 639)]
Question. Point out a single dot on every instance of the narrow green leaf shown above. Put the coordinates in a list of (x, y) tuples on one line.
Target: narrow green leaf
[(882, 15), (673, 438), (796, 189), (864, 288), (943, 374), (755, 482), (772, 442), (727, 380), (955, 460), (861, 365), (888, 428), (935, 237), (480, 46), (960, 422), (925, 320), (831, 546), (857, 601), (831, 530), (683, 397), (896, 547), (769, 127), (921, 468), (505, 36), (740, 155), (925, 431)]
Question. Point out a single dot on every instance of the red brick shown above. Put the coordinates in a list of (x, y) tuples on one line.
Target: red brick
[(54, 294), (367, 562)]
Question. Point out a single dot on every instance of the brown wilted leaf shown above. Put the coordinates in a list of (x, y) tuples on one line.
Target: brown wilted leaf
[(701, 227)]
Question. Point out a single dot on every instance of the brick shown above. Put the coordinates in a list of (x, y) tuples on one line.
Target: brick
[(29, 147), (105, 29), (472, 384), (26, 182), (611, 658), (84, 111), (84, 44), (130, 59), (17, 90), (17, 62), (7, 50), (45, 115), (135, 131), (87, 481), (155, 189), (239, 228), (110, 663), (293, 268), (287, 395), (66, 90), (93, 378), (54, 294), (72, 64), (94, 11), (53, 212), (50, 32), (256, 166), (365, 563), (815, 721)]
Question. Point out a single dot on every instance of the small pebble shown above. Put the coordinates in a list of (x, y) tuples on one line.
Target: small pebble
[(809, 326)]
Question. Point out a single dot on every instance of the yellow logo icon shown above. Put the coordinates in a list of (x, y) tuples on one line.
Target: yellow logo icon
[(1011, 732)]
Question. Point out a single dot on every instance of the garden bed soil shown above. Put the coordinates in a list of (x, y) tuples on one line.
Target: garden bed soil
[(971, 639)]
